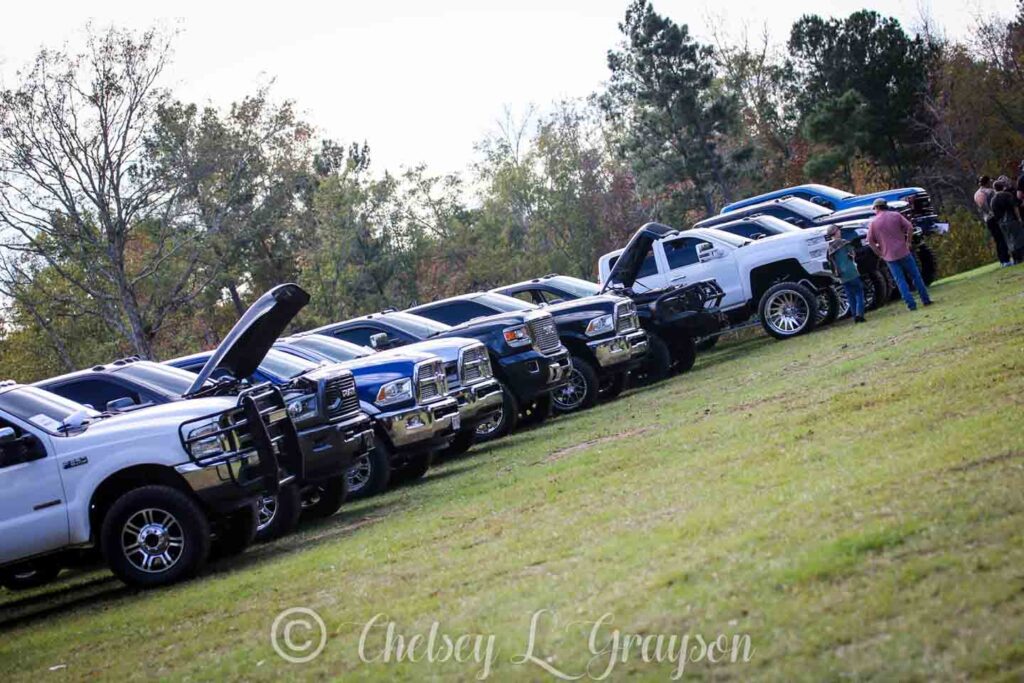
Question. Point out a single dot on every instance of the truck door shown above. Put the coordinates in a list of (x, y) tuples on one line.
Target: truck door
[(33, 507), (680, 262)]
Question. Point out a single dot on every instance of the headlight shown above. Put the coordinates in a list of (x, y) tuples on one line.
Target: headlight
[(302, 408), (518, 336), (601, 325), (208, 447), (395, 392)]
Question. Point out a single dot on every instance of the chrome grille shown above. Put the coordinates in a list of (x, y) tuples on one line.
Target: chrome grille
[(544, 334), (340, 396), (475, 364), (430, 382), (625, 317)]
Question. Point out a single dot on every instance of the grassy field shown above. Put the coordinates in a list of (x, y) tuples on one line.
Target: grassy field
[(852, 500)]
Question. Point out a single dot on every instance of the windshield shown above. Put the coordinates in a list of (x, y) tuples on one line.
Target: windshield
[(575, 286), (504, 304), (284, 365), (728, 238), (162, 378), (337, 350), (806, 209), (416, 326), (42, 409)]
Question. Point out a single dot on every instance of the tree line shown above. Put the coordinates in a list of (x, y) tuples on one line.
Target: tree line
[(132, 222)]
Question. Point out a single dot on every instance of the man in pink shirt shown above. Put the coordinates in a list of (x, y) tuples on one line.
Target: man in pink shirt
[(889, 236)]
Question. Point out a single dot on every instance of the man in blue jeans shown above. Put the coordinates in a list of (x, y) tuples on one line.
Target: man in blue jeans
[(889, 236)]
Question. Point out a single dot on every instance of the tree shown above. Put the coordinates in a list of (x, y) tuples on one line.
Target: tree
[(77, 191), (672, 114), (867, 75), (246, 177)]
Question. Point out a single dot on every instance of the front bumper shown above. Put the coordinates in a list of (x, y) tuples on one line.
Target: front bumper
[(422, 425), (531, 374), (328, 449), (477, 402), (619, 349), (227, 486)]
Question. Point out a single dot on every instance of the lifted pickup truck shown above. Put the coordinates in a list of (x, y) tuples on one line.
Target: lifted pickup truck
[(602, 334), (776, 280), (526, 355), (148, 488), (468, 374), (810, 214), (332, 431)]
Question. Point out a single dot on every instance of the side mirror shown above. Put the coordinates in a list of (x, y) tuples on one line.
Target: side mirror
[(7, 436), (379, 341), (119, 404), (707, 252)]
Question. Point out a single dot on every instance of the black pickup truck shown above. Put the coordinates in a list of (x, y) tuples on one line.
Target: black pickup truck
[(527, 357), (673, 317), (602, 334)]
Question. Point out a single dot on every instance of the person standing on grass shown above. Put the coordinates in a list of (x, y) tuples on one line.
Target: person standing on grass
[(841, 255), (983, 198), (1007, 214), (889, 236)]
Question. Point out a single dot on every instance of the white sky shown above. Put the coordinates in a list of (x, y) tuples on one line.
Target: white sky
[(420, 81)]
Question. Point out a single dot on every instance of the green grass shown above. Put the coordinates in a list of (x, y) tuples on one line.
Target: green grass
[(852, 500)]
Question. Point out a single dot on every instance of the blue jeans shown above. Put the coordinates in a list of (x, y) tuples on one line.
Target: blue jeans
[(855, 295), (900, 270)]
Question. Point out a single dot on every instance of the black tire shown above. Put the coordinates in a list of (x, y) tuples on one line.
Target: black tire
[(325, 498), (707, 343), (537, 412), (658, 363), (460, 444), (684, 355), (880, 288), (828, 306), (31, 575), (506, 421), (928, 264), (582, 390), (414, 468), (844, 303), (131, 546), (613, 386), (279, 514), (788, 309), (235, 532), (370, 474)]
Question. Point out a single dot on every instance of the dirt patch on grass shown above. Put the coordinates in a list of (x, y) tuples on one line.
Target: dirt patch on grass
[(572, 450), (985, 462)]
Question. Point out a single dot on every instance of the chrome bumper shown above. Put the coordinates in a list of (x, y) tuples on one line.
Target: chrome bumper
[(619, 349), (478, 399), (412, 425)]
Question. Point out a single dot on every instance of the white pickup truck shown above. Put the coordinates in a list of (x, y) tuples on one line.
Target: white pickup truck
[(784, 281), (149, 489)]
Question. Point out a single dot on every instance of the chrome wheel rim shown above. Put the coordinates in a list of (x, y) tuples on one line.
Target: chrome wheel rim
[(786, 312), (491, 425), (823, 305), (844, 303), (267, 510), (359, 474), (572, 394), (152, 540)]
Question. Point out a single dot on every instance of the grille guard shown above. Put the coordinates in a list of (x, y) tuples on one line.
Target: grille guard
[(263, 407)]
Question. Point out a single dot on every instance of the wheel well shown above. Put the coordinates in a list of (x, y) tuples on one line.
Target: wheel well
[(578, 347), (763, 277), (125, 480)]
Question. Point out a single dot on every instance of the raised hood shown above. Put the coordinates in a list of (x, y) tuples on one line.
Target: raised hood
[(248, 342), (632, 257)]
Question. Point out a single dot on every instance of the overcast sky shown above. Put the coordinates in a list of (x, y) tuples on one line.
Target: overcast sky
[(420, 80)]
